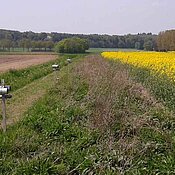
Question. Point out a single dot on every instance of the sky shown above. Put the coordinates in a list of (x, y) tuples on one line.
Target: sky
[(88, 16)]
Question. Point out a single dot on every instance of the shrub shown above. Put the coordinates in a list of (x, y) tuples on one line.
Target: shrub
[(72, 45)]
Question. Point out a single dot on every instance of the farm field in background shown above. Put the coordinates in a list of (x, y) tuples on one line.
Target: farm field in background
[(8, 62), (27, 53), (20, 51), (158, 62), (99, 50)]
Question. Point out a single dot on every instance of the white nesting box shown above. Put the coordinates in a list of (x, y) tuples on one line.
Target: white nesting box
[(3, 90), (55, 67), (69, 60)]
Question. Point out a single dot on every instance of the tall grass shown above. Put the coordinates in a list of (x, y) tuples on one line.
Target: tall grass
[(161, 87)]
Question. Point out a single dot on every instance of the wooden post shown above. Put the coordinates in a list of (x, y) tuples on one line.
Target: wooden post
[(4, 124)]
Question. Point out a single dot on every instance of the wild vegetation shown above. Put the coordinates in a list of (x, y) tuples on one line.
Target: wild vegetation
[(100, 117)]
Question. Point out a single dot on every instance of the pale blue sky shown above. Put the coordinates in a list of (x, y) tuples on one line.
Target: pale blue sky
[(88, 16)]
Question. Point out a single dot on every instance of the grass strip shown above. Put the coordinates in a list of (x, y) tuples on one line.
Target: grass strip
[(20, 78)]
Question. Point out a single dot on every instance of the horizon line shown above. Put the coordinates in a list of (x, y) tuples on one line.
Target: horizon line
[(79, 33)]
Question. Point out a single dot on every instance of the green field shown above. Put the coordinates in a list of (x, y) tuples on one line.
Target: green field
[(94, 116), (24, 50), (19, 51), (99, 50), (27, 53)]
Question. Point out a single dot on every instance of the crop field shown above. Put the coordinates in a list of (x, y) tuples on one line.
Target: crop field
[(8, 62), (156, 70), (107, 114), (160, 63)]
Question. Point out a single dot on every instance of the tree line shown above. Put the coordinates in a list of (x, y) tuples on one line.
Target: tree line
[(45, 41), (6, 44), (166, 41)]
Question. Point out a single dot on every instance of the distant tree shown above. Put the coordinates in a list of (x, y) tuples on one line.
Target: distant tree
[(37, 45), (31, 36), (166, 41), (1, 45), (27, 44), (13, 45), (49, 45), (137, 45), (72, 45), (6, 44), (121, 44), (148, 46), (42, 36), (22, 44)]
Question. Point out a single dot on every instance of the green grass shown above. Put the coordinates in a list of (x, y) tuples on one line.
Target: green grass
[(94, 121), (38, 131), (19, 78), (99, 50)]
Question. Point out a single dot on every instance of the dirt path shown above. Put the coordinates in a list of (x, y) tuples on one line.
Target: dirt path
[(22, 61), (25, 97)]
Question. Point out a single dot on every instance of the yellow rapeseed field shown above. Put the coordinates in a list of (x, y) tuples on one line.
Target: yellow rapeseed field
[(159, 62)]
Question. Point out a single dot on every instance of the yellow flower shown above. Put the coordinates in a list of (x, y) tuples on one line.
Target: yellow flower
[(157, 62)]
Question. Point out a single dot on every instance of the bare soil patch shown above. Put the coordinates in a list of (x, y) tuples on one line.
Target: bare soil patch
[(8, 62)]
